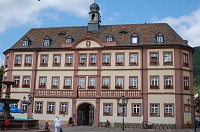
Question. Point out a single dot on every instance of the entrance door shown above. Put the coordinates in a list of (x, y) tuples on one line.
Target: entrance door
[(80, 118), (91, 116), (85, 115)]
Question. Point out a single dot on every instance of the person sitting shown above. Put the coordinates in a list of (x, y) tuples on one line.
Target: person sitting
[(7, 123), (149, 125), (71, 120), (46, 126)]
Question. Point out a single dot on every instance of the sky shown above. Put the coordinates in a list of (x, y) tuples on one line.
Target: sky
[(17, 17)]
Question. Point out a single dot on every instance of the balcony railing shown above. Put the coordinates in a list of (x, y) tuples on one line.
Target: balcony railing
[(88, 93)]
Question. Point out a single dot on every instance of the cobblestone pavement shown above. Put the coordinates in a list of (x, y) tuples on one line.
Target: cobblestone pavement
[(103, 129)]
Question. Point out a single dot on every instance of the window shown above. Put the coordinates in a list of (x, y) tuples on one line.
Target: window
[(83, 59), (154, 110), (119, 81), (47, 41), (168, 80), (119, 59), (16, 79), (92, 82), (81, 82), (24, 106), (133, 58), (18, 60), (68, 39), (133, 82), (93, 59), (186, 83), (107, 109), (42, 82), (55, 82), (38, 107), (109, 38), (105, 82), (56, 60), (154, 58), (159, 38), (135, 39), (50, 107), (26, 81), (106, 59), (67, 82), (168, 110), (120, 109), (68, 59), (64, 108), (167, 58), (185, 59), (44, 60), (28, 60), (154, 82), (136, 109), (15, 105), (25, 43)]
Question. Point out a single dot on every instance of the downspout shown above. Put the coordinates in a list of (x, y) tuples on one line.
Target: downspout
[(142, 87), (33, 91)]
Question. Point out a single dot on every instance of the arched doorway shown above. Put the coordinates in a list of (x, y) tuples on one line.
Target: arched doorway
[(85, 115)]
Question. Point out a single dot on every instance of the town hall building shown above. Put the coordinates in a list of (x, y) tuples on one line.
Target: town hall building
[(83, 71)]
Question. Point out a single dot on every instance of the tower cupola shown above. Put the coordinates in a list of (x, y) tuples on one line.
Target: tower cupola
[(95, 17)]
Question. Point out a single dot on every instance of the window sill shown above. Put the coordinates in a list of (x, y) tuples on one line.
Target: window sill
[(154, 87), (66, 87), (105, 87)]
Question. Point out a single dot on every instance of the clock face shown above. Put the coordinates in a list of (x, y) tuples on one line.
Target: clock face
[(88, 43)]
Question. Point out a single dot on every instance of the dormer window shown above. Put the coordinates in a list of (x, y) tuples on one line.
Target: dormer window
[(159, 38), (109, 38), (26, 42), (47, 41), (68, 39), (135, 39)]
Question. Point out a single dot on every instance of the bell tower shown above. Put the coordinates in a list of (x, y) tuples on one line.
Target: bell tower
[(95, 19)]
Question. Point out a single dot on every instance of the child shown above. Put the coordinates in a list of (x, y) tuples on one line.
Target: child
[(7, 123), (47, 125)]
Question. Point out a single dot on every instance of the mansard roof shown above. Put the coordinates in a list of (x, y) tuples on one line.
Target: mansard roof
[(122, 34)]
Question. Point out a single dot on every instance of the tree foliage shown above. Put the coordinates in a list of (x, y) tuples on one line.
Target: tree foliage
[(196, 69)]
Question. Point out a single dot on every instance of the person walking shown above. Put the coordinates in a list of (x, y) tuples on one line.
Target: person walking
[(7, 123), (57, 124)]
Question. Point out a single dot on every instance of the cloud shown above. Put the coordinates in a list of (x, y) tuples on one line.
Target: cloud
[(15, 13), (187, 26)]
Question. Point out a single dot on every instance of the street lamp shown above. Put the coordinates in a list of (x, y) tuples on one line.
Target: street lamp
[(190, 104), (124, 101)]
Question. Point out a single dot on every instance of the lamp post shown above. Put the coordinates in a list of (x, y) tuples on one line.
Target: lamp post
[(190, 104), (30, 100), (124, 102)]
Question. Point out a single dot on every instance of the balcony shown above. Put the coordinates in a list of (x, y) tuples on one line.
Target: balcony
[(38, 111), (43, 64), (87, 93), (56, 64), (154, 63), (154, 87), (50, 112)]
